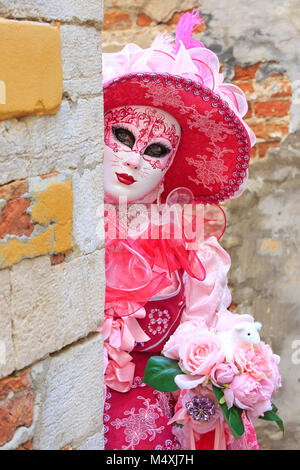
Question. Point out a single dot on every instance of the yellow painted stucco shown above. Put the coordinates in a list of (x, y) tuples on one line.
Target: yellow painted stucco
[(30, 68), (55, 204), (14, 250), (52, 208), (269, 244)]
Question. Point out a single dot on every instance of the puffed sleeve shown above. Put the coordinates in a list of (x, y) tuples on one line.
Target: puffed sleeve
[(204, 299)]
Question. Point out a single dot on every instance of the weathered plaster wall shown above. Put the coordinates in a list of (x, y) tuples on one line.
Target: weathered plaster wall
[(258, 44), (51, 256), (263, 239)]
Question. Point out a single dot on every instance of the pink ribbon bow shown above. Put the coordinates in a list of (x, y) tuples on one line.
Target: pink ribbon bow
[(119, 372), (122, 333)]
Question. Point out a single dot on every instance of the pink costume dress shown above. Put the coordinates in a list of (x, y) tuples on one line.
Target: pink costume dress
[(135, 415)]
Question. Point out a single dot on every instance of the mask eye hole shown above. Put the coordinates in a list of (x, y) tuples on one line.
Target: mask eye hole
[(124, 136), (157, 150)]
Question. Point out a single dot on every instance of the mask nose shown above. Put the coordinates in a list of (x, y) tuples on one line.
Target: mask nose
[(133, 161)]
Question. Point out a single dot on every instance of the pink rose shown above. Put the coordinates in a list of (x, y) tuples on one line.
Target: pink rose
[(181, 335), (200, 353), (257, 360), (249, 394), (223, 373)]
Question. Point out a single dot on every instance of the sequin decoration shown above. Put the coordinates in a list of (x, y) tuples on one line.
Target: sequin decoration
[(200, 408)]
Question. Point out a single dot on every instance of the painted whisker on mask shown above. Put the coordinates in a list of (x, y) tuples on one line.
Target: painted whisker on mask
[(117, 156), (146, 170)]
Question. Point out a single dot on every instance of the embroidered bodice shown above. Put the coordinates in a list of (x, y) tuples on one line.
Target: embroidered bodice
[(163, 315)]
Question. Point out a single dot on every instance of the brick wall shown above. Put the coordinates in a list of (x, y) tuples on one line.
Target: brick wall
[(16, 405), (51, 256), (269, 103)]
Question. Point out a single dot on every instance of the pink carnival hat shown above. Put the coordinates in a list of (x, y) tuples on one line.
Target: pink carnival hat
[(182, 77)]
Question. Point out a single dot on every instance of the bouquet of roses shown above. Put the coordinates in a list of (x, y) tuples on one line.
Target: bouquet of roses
[(218, 375)]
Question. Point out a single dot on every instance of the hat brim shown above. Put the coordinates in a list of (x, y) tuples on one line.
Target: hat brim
[(214, 151)]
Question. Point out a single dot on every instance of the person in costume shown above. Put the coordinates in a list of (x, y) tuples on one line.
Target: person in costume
[(174, 133)]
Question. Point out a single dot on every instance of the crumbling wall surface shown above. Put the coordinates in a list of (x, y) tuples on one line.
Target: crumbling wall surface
[(51, 249), (263, 239), (258, 44)]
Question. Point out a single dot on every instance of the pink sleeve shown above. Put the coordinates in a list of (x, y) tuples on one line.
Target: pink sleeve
[(205, 298)]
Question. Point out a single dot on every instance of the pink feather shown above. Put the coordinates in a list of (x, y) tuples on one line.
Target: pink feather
[(185, 27), (163, 42)]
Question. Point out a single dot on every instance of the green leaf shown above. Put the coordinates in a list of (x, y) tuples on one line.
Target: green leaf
[(233, 415), (272, 416), (160, 372), (274, 408), (236, 421), (178, 425), (218, 392)]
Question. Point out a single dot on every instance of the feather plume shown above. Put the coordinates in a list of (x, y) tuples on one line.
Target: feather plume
[(186, 25), (163, 42)]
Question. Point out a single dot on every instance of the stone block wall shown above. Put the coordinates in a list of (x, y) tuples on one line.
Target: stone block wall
[(258, 45), (52, 276)]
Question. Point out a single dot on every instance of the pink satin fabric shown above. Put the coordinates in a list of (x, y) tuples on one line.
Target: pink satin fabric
[(119, 370), (205, 298), (209, 300)]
